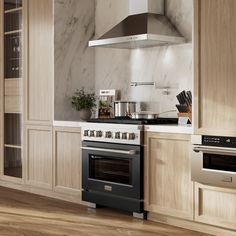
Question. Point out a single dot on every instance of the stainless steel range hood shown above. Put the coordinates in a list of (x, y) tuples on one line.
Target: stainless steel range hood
[(146, 26)]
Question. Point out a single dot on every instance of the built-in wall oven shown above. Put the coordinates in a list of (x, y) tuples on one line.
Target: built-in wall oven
[(214, 160)]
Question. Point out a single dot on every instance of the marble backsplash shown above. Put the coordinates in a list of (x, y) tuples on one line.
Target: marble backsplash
[(77, 66), (73, 60), (168, 66)]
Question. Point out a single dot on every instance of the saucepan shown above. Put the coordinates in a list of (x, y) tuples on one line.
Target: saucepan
[(148, 114)]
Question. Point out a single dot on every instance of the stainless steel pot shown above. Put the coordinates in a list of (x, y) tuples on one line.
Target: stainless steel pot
[(124, 108)]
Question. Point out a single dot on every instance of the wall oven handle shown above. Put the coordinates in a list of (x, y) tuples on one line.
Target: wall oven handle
[(129, 152), (215, 150)]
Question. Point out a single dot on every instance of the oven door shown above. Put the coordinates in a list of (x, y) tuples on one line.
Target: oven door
[(214, 165), (112, 168)]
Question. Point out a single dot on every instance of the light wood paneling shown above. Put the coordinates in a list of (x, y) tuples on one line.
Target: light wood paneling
[(215, 206), (215, 70), (168, 186), (13, 87), (67, 159), (40, 61), (26, 214), (38, 156), (13, 104)]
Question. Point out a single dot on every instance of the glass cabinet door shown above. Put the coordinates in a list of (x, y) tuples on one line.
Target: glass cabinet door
[(13, 88)]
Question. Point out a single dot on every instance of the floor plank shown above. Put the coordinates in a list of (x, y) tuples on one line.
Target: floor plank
[(24, 214)]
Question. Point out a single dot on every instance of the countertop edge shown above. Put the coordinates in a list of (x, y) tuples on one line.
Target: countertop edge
[(181, 129)]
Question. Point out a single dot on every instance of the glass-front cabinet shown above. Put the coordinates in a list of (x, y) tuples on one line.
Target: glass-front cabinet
[(13, 87)]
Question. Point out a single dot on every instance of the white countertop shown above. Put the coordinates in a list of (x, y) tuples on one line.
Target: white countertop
[(71, 124), (176, 129)]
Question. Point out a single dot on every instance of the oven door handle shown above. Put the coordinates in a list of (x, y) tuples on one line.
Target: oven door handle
[(129, 152), (215, 150)]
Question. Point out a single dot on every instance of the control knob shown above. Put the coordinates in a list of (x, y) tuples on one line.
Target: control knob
[(98, 134), (117, 135), (86, 132), (91, 133), (108, 134), (124, 135), (131, 136)]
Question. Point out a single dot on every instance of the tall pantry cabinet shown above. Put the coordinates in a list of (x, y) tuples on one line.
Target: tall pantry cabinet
[(26, 91), (215, 70)]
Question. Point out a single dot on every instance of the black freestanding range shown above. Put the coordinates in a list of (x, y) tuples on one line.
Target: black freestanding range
[(112, 163)]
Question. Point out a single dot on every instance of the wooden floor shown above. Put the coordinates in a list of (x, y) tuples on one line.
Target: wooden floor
[(24, 214)]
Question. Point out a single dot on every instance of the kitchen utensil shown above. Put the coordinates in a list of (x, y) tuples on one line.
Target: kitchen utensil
[(185, 98), (181, 97), (148, 114), (189, 95), (124, 108), (182, 107)]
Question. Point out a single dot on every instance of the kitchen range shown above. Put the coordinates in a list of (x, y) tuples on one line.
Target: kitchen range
[(112, 162)]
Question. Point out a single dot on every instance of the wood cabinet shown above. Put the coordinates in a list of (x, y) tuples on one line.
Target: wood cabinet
[(167, 181), (39, 49), (11, 88), (215, 70), (67, 160), (38, 152), (215, 206), (26, 90)]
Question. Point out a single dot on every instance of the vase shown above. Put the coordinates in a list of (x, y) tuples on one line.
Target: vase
[(85, 114)]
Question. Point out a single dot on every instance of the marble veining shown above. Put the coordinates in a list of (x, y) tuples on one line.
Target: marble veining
[(73, 59), (167, 66)]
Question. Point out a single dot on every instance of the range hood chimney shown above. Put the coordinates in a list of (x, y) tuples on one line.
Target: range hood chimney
[(146, 26)]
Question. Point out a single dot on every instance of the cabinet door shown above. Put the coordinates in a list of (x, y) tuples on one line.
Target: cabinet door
[(38, 151), (39, 86), (215, 70), (67, 160), (168, 186), (215, 206)]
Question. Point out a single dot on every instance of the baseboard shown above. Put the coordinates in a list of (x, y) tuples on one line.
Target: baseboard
[(71, 197), (191, 225)]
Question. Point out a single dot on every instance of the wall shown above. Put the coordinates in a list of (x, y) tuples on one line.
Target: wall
[(74, 61), (167, 66)]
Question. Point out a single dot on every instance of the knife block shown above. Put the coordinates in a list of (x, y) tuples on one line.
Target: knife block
[(186, 114)]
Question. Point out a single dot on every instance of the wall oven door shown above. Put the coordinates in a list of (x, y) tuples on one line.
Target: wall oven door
[(115, 169), (214, 165)]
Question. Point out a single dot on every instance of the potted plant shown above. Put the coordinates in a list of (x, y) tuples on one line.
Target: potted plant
[(84, 103)]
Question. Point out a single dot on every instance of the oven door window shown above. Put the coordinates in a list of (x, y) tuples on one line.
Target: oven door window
[(116, 170), (219, 162)]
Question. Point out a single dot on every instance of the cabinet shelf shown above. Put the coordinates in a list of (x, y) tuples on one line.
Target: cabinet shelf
[(13, 10), (12, 146), (12, 32), (14, 78)]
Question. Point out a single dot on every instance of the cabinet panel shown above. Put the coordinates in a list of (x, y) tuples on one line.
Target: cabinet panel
[(215, 59), (13, 104), (168, 186), (39, 156), (215, 206), (13, 87), (67, 154), (40, 61)]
